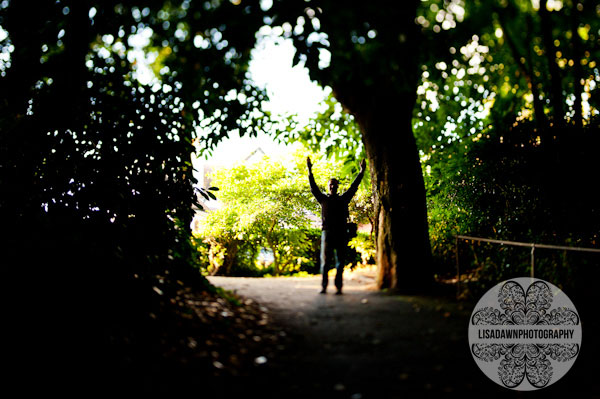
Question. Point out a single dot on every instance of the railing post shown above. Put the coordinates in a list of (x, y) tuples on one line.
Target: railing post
[(532, 259), (457, 267)]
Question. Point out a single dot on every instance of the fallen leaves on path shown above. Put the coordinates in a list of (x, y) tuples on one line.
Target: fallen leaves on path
[(191, 336)]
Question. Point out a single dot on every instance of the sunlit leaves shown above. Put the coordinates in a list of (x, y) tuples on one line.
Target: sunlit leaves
[(265, 203), (438, 15), (269, 204), (206, 47), (93, 147), (333, 131)]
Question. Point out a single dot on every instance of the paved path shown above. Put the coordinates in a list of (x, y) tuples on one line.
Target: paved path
[(368, 344)]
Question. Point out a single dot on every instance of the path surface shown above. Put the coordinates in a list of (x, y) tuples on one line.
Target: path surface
[(368, 344)]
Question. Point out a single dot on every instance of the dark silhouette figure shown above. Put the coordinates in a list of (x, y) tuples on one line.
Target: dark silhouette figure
[(334, 217)]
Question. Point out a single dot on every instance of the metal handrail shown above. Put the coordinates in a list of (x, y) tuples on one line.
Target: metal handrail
[(531, 245)]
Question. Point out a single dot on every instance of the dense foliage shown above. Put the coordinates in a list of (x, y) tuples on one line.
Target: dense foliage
[(96, 176), (507, 123), (97, 185), (95, 160)]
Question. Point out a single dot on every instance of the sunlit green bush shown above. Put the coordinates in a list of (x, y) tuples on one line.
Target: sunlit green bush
[(364, 247), (267, 206)]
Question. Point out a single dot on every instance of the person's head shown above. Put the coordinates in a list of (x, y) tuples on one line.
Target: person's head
[(333, 185)]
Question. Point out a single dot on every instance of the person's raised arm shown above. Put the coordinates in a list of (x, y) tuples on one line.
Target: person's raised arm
[(354, 186), (313, 185)]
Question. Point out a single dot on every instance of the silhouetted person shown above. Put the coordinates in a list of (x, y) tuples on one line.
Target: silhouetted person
[(334, 216)]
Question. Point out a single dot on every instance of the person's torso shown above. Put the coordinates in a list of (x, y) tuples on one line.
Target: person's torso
[(334, 212)]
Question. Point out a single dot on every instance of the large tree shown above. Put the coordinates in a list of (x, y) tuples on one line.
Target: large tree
[(373, 71)]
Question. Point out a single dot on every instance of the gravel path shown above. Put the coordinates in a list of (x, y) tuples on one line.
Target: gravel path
[(369, 344)]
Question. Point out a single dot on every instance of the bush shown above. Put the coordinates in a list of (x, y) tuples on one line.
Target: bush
[(265, 206), (510, 188), (363, 248)]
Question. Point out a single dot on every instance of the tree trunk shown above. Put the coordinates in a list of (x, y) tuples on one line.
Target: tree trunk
[(538, 105), (378, 84), (275, 259), (555, 79), (526, 68), (229, 260), (231, 250), (402, 236), (577, 70)]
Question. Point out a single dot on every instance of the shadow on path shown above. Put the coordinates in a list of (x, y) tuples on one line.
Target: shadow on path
[(368, 344)]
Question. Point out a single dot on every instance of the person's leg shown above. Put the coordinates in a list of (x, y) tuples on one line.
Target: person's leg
[(326, 255), (340, 253)]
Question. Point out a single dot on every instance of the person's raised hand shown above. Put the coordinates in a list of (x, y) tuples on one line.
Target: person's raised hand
[(308, 163)]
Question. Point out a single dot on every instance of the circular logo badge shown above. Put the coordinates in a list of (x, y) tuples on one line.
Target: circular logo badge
[(525, 334)]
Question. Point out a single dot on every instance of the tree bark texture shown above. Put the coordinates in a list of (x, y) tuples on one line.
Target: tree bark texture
[(403, 248), (402, 234)]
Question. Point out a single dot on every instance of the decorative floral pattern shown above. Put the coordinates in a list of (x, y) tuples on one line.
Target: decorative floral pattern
[(520, 307)]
